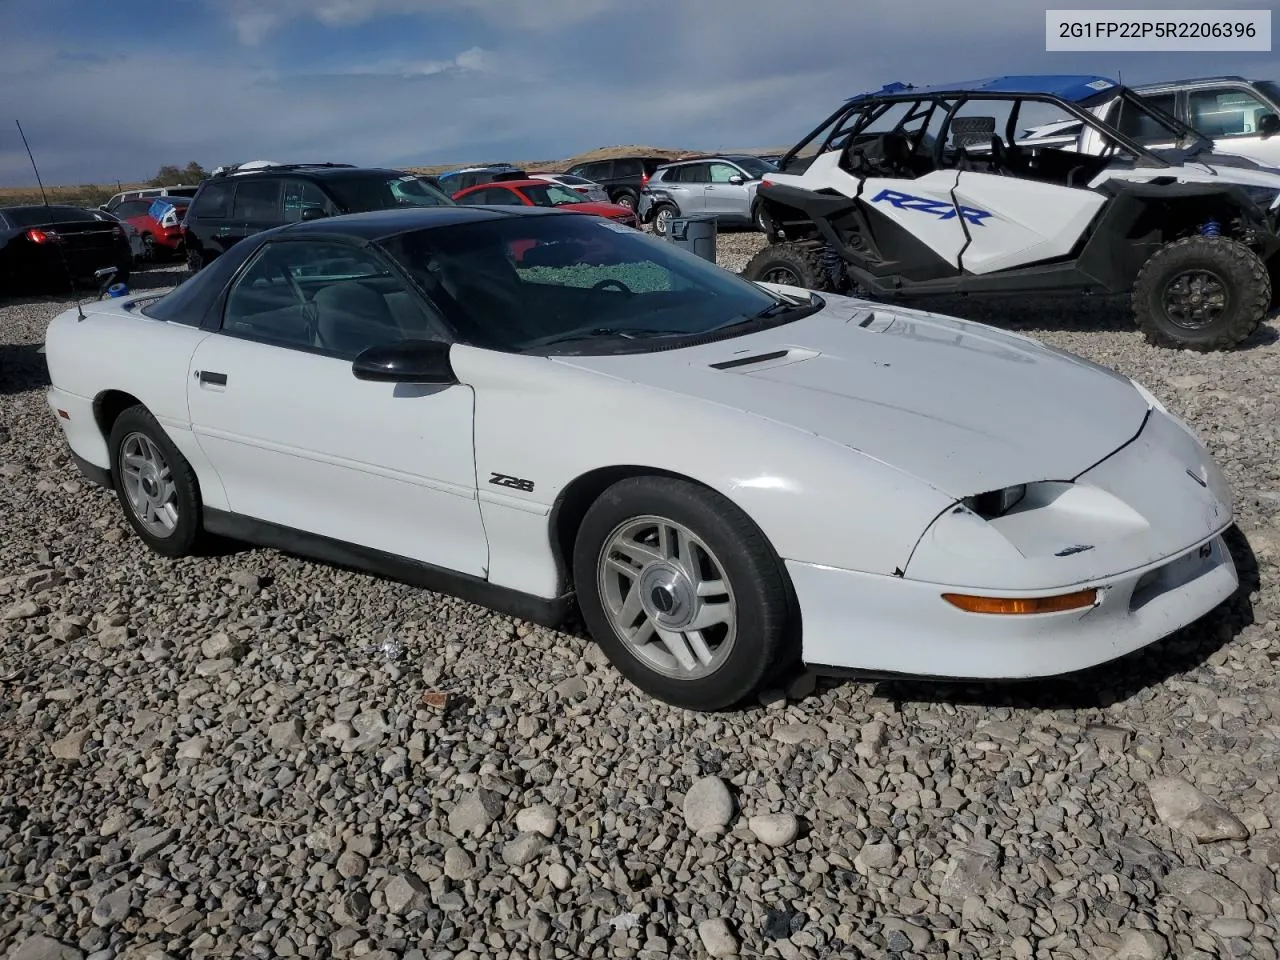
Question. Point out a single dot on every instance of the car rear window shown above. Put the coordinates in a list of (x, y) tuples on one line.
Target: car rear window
[(381, 192), (36, 215)]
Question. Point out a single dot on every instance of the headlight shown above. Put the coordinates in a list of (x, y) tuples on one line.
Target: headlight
[(1148, 396)]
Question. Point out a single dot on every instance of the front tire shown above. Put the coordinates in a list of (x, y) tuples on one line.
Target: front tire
[(662, 218), (683, 592), (1201, 293), (792, 264), (154, 483)]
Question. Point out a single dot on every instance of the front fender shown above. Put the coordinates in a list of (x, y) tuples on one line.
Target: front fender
[(545, 424)]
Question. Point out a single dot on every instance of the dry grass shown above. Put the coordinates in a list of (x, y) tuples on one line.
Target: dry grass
[(90, 195)]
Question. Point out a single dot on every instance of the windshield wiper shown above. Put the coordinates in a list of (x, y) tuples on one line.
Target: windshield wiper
[(772, 312), (625, 333)]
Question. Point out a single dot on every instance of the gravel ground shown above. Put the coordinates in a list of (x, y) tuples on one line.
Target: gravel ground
[(249, 755)]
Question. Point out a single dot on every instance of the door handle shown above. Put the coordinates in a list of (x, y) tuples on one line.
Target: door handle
[(211, 378)]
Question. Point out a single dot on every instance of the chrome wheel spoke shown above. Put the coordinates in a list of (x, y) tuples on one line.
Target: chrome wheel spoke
[(147, 481), (667, 597)]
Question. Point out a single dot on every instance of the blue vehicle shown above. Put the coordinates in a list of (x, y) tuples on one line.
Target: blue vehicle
[(923, 191)]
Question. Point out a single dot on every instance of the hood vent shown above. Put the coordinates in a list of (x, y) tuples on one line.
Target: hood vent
[(871, 321), (768, 360)]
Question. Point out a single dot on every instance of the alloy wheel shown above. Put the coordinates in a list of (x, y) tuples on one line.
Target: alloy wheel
[(148, 484)]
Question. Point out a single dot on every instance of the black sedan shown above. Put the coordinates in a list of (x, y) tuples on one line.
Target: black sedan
[(52, 247)]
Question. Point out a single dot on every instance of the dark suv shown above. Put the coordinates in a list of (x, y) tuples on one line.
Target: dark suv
[(235, 203), (621, 177)]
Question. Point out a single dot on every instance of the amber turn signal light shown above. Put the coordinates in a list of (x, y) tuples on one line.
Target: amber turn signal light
[(1011, 605)]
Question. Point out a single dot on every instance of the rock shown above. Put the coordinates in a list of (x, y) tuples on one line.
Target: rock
[(523, 849), (717, 937), (148, 840), (436, 700), (221, 646), (540, 819), (458, 865), (793, 733), (70, 747), (405, 894), (351, 865), (65, 631), (246, 580), (571, 688), (972, 871), (774, 829), (559, 876), (1186, 809), (1206, 894), (211, 668), (1142, 945), (22, 610), (194, 748), (475, 813), (802, 686), (113, 637), (40, 947), (113, 908), (904, 936), (708, 806), (285, 735), (875, 856)]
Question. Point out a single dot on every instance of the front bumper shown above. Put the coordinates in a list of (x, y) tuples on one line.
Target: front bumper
[(865, 623)]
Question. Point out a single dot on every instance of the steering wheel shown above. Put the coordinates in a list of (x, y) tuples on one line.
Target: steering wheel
[(611, 282)]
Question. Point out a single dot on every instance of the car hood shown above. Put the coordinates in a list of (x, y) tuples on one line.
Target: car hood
[(960, 406)]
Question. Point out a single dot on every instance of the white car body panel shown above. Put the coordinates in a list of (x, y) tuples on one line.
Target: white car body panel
[(341, 458), (850, 451)]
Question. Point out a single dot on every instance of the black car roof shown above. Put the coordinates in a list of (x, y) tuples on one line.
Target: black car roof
[(380, 224), (294, 172)]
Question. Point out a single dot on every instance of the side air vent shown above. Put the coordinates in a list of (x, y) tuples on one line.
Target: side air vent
[(871, 321), (768, 360), (746, 361)]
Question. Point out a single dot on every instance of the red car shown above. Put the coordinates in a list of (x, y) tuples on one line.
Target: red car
[(542, 193), (159, 220)]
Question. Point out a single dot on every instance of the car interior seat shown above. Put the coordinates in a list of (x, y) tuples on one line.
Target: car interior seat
[(351, 316)]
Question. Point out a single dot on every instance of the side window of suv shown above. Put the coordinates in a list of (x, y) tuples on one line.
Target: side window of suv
[(627, 168), (696, 173), (302, 194), (258, 201), (1225, 112), (721, 172), (214, 201)]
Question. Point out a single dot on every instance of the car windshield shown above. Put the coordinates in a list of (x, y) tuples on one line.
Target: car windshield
[(551, 195), (573, 284), (571, 179), (359, 194), (754, 166)]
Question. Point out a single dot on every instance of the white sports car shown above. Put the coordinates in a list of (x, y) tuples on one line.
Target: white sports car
[(526, 407)]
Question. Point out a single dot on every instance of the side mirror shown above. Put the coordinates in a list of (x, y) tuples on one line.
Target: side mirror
[(405, 361), (737, 180), (1268, 125), (313, 213)]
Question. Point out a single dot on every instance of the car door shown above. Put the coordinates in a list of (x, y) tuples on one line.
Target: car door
[(1229, 115), (210, 230), (689, 190), (258, 206), (723, 197), (299, 442)]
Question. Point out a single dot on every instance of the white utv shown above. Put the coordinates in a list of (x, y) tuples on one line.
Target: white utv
[(913, 192)]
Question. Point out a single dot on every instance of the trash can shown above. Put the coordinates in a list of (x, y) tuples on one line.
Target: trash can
[(696, 233)]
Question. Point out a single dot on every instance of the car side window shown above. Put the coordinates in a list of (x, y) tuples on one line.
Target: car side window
[(1142, 128), (1225, 112), (696, 173), (324, 297), (257, 201), (214, 201), (491, 195), (300, 195), (721, 172), (132, 208)]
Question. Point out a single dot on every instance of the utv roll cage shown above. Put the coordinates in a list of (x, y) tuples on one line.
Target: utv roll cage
[(865, 109)]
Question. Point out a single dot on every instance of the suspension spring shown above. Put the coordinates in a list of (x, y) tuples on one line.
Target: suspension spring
[(832, 264), (1211, 228)]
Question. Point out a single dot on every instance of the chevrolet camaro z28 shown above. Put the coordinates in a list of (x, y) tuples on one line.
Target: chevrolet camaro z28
[(530, 408)]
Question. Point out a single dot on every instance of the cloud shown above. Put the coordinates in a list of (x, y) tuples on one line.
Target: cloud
[(255, 20)]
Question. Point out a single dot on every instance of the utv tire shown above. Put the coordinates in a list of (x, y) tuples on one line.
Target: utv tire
[(155, 485), (644, 549), (1201, 293), (662, 215), (789, 263)]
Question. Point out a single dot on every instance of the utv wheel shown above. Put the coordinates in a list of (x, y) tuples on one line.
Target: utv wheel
[(793, 264), (154, 483), (662, 218), (1201, 293), (682, 592)]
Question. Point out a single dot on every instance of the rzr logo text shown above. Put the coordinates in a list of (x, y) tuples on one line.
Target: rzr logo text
[(939, 208)]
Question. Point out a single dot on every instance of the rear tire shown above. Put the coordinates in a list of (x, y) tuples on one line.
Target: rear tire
[(760, 218), (627, 200), (790, 263), (710, 580), (1201, 293), (155, 484)]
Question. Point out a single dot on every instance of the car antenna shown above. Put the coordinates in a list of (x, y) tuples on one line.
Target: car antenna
[(49, 210)]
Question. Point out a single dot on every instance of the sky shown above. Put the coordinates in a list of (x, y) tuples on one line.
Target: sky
[(111, 90)]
